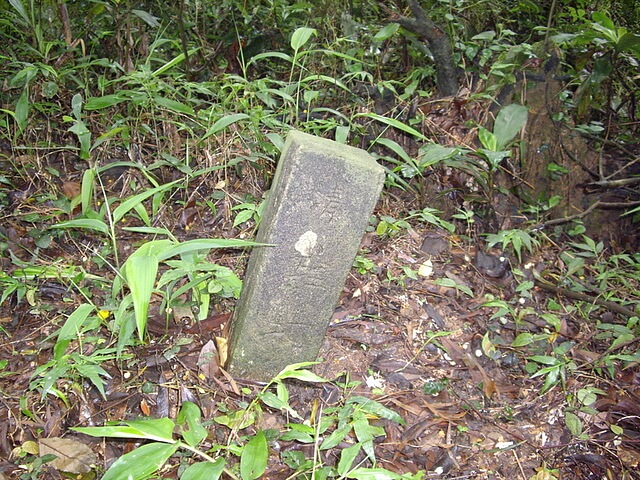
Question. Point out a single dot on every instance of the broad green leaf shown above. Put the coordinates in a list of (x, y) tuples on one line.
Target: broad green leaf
[(588, 396), (172, 63), (522, 339), (627, 41), (296, 436), (545, 360), (602, 18), (84, 138), (282, 392), (260, 56), (109, 135), (160, 429), (124, 322), (342, 133), (52, 377), (242, 217), (142, 213), (434, 153), (494, 158), (140, 271), (488, 35), (253, 461), (621, 340), (372, 474), (223, 123), (173, 105), (616, 429), (239, 419), (347, 456), (19, 7), (60, 348), (372, 407), (96, 374), (204, 471), (301, 36), (397, 149), (73, 326), (334, 82), (304, 376), (573, 423), (141, 463), (365, 433), (98, 103), (290, 371), (204, 244), (337, 436), (271, 400), (552, 320), (510, 120), (22, 110), (386, 32), (146, 17), (563, 348), (76, 106), (450, 283), (191, 415), (86, 192), (487, 139), (157, 429), (392, 122), (87, 223), (126, 206)]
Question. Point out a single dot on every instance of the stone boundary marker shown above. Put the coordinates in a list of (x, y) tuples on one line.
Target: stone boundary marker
[(322, 197)]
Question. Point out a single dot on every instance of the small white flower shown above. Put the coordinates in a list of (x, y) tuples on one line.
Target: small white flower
[(373, 381)]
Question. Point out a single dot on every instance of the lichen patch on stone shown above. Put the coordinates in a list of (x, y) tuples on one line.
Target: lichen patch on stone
[(306, 243)]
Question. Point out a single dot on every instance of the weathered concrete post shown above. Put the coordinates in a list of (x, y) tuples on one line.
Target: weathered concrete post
[(317, 210)]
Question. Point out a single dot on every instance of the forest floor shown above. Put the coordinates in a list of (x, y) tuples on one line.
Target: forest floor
[(419, 328), (410, 331)]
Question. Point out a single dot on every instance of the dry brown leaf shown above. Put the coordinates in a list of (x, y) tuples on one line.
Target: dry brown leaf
[(208, 360), (71, 189), (73, 456), (223, 349)]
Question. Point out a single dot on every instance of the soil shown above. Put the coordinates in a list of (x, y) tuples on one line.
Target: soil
[(411, 331)]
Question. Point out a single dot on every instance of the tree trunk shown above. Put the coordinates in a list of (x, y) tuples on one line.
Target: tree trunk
[(439, 44)]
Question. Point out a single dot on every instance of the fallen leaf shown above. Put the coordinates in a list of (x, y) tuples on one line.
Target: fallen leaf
[(73, 456), (223, 350), (71, 189), (208, 360)]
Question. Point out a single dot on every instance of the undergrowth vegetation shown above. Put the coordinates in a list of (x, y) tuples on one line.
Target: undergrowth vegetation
[(128, 130)]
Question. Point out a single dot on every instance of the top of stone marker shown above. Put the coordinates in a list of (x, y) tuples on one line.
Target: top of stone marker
[(333, 148)]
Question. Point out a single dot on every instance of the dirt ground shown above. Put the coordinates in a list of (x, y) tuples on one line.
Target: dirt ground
[(413, 344)]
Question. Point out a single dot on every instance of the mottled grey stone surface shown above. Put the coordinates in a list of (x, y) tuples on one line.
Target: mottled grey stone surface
[(317, 210)]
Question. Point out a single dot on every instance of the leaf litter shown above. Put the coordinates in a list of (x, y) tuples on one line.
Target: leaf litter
[(406, 333)]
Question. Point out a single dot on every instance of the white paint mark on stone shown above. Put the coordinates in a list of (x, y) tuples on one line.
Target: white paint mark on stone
[(306, 243)]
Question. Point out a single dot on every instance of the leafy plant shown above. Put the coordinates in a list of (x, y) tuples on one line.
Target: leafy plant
[(516, 238), (363, 265), (248, 211), (388, 226), (334, 426), (140, 270), (554, 368), (430, 215), (510, 120)]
